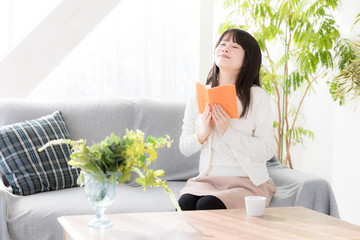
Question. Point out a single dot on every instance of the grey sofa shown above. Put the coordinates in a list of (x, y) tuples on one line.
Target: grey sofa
[(35, 216)]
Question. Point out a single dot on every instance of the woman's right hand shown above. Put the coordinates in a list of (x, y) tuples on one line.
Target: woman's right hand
[(208, 125)]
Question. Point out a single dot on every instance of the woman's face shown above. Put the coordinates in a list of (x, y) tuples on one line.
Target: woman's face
[(229, 55)]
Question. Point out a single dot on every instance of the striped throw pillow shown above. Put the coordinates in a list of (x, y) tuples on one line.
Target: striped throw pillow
[(29, 171)]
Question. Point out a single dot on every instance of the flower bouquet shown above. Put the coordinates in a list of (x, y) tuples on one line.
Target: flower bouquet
[(115, 158)]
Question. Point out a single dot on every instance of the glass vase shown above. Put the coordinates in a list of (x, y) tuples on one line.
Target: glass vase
[(100, 191)]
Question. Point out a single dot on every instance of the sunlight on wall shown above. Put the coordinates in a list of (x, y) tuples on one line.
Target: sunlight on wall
[(16, 21), (141, 49)]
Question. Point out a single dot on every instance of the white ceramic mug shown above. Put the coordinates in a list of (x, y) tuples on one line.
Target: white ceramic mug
[(255, 205)]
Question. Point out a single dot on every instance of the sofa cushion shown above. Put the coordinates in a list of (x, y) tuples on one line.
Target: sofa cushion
[(29, 171), (158, 118)]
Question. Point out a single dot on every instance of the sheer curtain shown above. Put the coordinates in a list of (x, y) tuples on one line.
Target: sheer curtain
[(142, 49)]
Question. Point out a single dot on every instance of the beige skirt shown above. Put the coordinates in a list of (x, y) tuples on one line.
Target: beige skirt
[(230, 190)]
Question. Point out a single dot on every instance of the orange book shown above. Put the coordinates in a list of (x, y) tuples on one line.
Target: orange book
[(224, 95)]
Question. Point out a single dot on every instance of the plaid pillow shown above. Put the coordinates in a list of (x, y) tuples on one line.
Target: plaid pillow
[(29, 171)]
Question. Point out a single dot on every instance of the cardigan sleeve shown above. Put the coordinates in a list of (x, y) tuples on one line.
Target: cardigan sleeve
[(189, 143), (261, 144)]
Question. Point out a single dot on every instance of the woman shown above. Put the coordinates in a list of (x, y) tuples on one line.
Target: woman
[(233, 151)]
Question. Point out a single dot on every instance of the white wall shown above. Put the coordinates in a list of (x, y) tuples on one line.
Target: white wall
[(335, 153), (206, 43), (317, 115), (346, 162)]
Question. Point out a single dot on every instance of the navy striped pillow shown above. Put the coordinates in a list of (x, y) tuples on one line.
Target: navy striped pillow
[(29, 171)]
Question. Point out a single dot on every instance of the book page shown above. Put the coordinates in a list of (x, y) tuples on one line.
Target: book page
[(225, 96)]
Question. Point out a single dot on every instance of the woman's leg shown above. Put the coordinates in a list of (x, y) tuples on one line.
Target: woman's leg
[(209, 202), (188, 202)]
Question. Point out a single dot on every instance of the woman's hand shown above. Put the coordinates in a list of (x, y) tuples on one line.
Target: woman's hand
[(221, 118), (207, 125)]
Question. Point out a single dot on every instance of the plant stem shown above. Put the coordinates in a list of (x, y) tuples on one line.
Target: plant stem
[(303, 97), (283, 108), (164, 186), (171, 195), (287, 86), (137, 170), (278, 97), (288, 143)]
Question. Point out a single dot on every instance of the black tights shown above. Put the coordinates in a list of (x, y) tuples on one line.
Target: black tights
[(192, 202)]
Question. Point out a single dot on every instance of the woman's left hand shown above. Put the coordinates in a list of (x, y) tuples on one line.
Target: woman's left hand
[(221, 118)]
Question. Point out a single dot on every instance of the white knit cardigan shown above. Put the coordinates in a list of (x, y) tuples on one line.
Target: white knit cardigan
[(251, 138)]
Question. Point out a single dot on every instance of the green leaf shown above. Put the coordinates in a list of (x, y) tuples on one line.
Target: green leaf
[(151, 139), (159, 173), (141, 182), (126, 176), (142, 158), (149, 177), (357, 19), (300, 134)]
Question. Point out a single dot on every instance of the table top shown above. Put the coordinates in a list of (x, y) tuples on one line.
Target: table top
[(277, 223)]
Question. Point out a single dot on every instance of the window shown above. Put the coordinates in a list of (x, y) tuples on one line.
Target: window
[(147, 49)]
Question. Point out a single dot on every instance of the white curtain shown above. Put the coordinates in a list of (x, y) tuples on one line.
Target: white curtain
[(147, 49)]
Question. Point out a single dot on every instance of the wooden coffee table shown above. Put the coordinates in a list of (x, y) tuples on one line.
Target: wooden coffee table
[(277, 223)]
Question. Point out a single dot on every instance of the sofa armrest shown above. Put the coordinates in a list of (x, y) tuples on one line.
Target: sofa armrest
[(297, 188), (4, 196)]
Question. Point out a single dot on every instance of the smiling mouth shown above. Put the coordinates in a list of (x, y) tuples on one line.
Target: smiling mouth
[(224, 56)]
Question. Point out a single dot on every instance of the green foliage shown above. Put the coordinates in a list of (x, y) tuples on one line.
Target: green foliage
[(347, 83), (357, 19), (116, 158), (300, 134), (311, 43)]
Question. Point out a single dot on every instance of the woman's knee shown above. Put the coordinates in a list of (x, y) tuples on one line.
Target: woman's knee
[(188, 202), (209, 202)]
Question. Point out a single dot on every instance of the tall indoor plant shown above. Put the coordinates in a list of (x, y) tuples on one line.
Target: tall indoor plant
[(306, 39)]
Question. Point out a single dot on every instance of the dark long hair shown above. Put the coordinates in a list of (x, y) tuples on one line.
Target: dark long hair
[(250, 70)]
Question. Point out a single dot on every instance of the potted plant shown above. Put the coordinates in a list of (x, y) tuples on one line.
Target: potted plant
[(112, 161), (307, 41)]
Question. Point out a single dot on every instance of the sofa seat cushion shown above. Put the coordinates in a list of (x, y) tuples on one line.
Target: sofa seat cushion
[(29, 171)]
